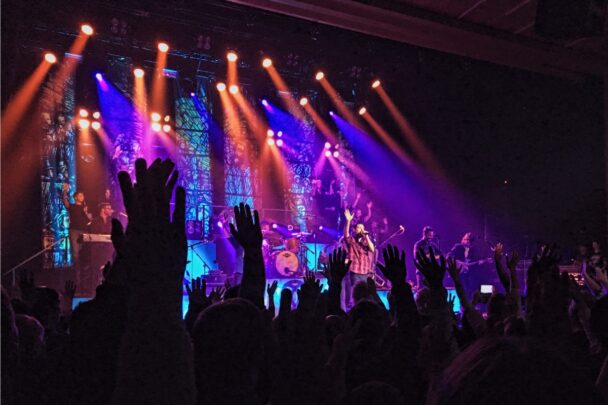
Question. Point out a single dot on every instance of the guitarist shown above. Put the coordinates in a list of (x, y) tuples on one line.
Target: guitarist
[(470, 261)]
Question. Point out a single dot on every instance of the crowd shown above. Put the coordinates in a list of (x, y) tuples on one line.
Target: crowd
[(130, 345)]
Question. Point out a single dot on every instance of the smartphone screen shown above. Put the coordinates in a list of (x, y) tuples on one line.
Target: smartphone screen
[(487, 289)]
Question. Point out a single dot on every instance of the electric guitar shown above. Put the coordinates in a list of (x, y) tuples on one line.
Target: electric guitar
[(466, 265)]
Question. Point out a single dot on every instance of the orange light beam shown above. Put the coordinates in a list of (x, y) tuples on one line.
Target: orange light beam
[(158, 83), (257, 125), (289, 102), (413, 139), (13, 113), (320, 123), (232, 73), (386, 138), (337, 101)]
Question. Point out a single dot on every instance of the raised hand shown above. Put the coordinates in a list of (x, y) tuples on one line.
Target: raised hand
[(271, 289), (216, 294), (247, 230), (454, 270), (394, 265), (154, 244), (338, 266), (197, 291), (498, 249), (69, 289), (433, 271), (309, 292), (348, 215), (370, 205), (513, 260)]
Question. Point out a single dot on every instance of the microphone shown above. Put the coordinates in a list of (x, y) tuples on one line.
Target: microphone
[(365, 233)]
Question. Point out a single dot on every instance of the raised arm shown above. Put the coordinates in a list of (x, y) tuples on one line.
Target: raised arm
[(349, 217), (368, 216), (249, 235)]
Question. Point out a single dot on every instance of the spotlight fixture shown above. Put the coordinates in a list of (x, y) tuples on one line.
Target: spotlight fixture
[(233, 89), (84, 123), (270, 133), (167, 128), (192, 94), (95, 125), (320, 227), (327, 153), (279, 142), (86, 29), (138, 72), (280, 134), (303, 101), (221, 87), (155, 127), (99, 76), (270, 141), (376, 84), (155, 117), (336, 154), (266, 63), (319, 75), (331, 113), (231, 56), (337, 146), (50, 58), (265, 103), (274, 226), (167, 118), (96, 115), (163, 47), (327, 145), (220, 224), (83, 113), (362, 110)]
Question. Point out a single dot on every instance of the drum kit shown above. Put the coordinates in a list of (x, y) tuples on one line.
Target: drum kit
[(286, 256)]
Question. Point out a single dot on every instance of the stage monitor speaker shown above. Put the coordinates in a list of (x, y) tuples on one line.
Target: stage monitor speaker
[(568, 19)]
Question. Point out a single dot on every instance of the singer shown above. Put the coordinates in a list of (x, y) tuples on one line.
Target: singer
[(79, 219), (360, 252)]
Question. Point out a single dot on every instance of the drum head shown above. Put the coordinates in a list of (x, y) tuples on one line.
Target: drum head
[(286, 263)]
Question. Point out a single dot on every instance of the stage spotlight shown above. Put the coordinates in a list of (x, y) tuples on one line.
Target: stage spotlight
[(96, 125), (331, 113), (303, 101), (83, 113), (231, 56), (84, 123), (362, 110), (155, 127), (327, 153), (279, 142), (274, 226), (192, 94), (319, 75), (50, 58), (163, 47), (265, 103), (376, 84), (167, 118), (270, 141), (219, 224), (270, 133), (155, 117), (327, 145), (99, 76), (336, 154), (280, 134), (86, 29), (233, 89), (320, 227), (138, 72), (96, 115), (167, 128), (267, 63), (221, 87)]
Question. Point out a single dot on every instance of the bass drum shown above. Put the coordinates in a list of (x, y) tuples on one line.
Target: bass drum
[(286, 264)]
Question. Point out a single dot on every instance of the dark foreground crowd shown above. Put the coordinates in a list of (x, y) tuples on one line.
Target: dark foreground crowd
[(130, 345)]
